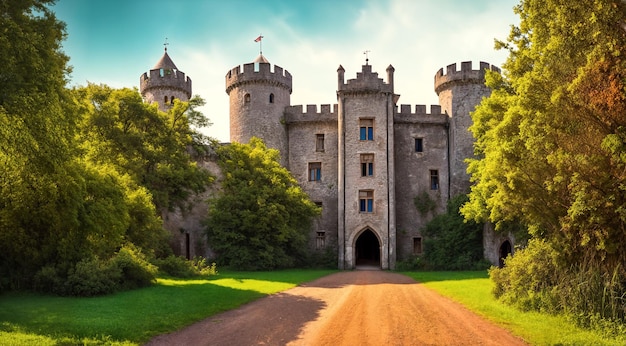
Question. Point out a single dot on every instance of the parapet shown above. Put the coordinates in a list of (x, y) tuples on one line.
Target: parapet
[(258, 73), (295, 114), (420, 115), (365, 81), (165, 78), (465, 76)]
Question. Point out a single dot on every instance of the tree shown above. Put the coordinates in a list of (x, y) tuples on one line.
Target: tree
[(261, 217), (550, 140), (451, 243), (152, 147)]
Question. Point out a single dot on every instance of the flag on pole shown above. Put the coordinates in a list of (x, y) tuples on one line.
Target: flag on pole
[(258, 39)]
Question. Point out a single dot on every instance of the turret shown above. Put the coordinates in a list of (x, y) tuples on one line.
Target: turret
[(164, 84), (459, 93), (258, 97)]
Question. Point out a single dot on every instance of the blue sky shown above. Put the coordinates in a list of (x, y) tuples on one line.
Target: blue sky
[(115, 41)]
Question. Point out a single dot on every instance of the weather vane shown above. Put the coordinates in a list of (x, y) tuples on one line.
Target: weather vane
[(166, 44), (366, 57)]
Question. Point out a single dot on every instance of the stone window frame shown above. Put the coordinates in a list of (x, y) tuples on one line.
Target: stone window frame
[(319, 142), (315, 171), (366, 129), (320, 240), (246, 98), (367, 165), (366, 201), (434, 179), (419, 144)]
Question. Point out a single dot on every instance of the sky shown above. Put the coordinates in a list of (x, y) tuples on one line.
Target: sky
[(114, 42)]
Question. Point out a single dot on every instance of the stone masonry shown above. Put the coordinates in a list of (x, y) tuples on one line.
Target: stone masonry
[(363, 159)]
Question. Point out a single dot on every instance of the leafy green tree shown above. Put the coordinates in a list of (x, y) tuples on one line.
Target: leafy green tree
[(551, 138), (261, 217), (151, 146), (451, 243)]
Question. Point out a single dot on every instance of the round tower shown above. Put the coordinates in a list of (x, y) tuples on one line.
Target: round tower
[(459, 93), (164, 84), (258, 97)]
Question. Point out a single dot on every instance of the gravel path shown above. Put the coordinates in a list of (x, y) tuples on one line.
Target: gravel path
[(347, 308)]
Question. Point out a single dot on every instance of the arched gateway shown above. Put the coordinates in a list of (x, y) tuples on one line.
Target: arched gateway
[(367, 249)]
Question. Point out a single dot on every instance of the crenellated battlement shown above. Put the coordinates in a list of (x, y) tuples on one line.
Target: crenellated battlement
[(165, 78), (465, 76), (406, 114), (294, 114), (258, 73), (366, 81)]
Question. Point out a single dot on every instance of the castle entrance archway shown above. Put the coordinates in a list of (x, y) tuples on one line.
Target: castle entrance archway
[(505, 250), (367, 249)]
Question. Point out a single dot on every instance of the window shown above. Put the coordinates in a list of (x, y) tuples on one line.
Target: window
[(434, 179), (165, 99), (320, 241), (417, 245), (367, 165), (246, 98), (419, 145), (172, 99), (366, 129), (315, 171), (271, 98), (319, 142), (366, 201)]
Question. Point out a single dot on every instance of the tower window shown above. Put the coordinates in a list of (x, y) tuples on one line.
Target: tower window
[(367, 165), (419, 145), (172, 99), (319, 142), (315, 171), (165, 99), (366, 129), (417, 245), (246, 98), (320, 240), (366, 201), (434, 179), (271, 98)]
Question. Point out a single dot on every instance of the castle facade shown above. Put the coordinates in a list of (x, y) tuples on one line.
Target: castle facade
[(364, 160)]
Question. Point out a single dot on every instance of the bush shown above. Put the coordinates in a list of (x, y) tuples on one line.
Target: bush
[(319, 259), (182, 268), (536, 279), (409, 264), (451, 243), (91, 277), (135, 269)]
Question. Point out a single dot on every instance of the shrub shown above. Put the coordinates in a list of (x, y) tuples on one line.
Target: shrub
[(411, 263), (90, 277), (451, 243), (135, 269), (182, 268)]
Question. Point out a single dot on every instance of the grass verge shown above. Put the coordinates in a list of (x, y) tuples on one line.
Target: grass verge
[(133, 317), (473, 290)]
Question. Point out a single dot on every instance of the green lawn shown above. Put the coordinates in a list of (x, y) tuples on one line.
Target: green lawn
[(133, 317), (473, 289)]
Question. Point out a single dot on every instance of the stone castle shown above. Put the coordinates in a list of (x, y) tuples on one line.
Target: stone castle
[(364, 159)]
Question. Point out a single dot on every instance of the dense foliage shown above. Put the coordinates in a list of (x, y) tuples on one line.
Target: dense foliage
[(84, 173), (261, 217), (450, 243), (551, 147)]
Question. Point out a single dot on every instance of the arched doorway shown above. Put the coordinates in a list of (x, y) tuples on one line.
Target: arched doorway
[(367, 249), (505, 250)]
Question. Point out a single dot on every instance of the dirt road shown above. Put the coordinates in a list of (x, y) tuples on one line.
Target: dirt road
[(347, 308)]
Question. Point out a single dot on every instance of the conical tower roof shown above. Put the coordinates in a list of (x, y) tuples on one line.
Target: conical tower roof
[(165, 63), (261, 59)]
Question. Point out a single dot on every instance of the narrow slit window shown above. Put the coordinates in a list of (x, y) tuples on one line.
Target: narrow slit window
[(319, 142), (417, 245), (419, 145), (246, 98), (271, 98), (434, 179)]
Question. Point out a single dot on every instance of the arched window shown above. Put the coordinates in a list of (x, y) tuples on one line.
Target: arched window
[(271, 98), (246, 98), (165, 99)]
